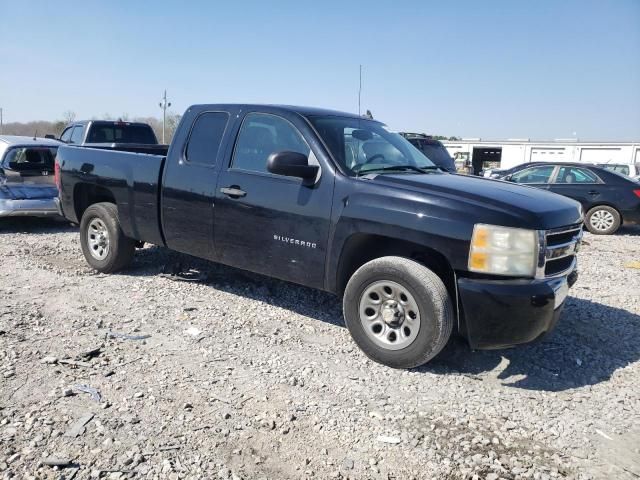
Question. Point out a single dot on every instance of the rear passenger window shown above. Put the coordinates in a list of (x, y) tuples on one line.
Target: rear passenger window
[(575, 175), (263, 134), (206, 136)]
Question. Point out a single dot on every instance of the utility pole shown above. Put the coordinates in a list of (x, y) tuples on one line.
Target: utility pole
[(164, 105), (359, 90)]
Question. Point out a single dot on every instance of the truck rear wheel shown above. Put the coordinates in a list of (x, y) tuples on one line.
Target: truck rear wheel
[(398, 312), (103, 244)]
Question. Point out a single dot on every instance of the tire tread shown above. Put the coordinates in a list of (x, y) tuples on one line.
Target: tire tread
[(444, 314)]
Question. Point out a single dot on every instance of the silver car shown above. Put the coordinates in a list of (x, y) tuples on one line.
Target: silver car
[(27, 185)]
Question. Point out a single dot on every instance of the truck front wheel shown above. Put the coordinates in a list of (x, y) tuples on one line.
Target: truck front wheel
[(103, 244), (398, 312)]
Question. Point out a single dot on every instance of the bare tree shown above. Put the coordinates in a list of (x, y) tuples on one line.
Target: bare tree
[(68, 117)]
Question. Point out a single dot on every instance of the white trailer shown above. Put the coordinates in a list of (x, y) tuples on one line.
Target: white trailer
[(482, 154)]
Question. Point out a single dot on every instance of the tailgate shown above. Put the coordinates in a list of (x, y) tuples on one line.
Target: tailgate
[(25, 191)]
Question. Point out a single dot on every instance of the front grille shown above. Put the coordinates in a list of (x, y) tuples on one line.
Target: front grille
[(558, 250)]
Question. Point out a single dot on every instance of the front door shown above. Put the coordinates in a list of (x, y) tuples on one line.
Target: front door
[(272, 224)]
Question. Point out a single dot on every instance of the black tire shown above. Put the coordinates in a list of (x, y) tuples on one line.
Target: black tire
[(594, 222), (120, 248), (428, 292)]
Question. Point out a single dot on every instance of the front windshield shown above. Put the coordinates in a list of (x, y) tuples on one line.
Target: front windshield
[(360, 145)]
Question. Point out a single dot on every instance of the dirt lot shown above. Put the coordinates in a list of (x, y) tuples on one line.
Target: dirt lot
[(245, 377)]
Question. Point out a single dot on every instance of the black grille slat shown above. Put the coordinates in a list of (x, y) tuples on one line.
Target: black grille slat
[(561, 237), (559, 265), (561, 248)]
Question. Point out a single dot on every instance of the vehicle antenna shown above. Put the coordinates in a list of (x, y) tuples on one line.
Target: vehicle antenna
[(35, 134)]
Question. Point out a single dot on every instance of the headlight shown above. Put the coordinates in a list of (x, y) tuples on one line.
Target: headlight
[(503, 250)]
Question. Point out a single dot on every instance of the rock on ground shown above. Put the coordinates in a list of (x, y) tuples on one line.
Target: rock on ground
[(271, 385)]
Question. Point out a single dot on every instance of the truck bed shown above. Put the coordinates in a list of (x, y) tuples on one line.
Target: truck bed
[(130, 180)]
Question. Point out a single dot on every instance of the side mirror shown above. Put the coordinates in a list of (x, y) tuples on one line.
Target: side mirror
[(291, 164), (507, 178)]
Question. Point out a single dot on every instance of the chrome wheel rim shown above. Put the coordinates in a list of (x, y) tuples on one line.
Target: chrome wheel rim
[(389, 315), (602, 220), (98, 239)]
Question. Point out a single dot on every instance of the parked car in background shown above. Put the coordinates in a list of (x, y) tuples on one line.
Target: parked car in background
[(27, 186), (113, 135), (608, 198), (433, 149), (337, 202)]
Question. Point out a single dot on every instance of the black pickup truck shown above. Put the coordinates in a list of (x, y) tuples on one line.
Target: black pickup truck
[(337, 202), (113, 135)]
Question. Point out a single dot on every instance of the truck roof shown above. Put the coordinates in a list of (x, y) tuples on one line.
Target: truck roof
[(115, 122), (304, 111)]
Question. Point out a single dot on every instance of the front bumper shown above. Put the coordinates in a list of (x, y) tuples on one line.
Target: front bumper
[(37, 207), (503, 313)]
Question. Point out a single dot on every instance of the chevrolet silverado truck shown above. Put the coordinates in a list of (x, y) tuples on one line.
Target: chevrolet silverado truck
[(337, 202), (113, 135)]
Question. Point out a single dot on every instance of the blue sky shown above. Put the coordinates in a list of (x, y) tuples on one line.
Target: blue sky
[(491, 69)]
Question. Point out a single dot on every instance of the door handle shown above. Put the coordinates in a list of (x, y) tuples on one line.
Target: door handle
[(233, 191), (593, 192)]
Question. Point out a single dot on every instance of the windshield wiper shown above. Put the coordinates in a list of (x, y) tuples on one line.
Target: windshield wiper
[(401, 168)]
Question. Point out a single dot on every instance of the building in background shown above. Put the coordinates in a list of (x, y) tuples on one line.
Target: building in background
[(473, 155)]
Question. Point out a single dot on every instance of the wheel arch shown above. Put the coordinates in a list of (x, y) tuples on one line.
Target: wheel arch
[(86, 194), (603, 204), (361, 248)]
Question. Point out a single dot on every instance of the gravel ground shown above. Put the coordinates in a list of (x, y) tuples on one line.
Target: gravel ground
[(246, 377)]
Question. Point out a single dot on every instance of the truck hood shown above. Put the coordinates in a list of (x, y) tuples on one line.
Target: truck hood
[(527, 207)]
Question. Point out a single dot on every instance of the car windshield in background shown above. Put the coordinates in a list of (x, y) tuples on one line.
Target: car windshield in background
[(121, 134), (362, 145), (437, 153), (618, 168)]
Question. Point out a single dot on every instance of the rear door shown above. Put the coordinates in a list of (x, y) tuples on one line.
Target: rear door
[(268, 223), (580, 184), (189, 184)]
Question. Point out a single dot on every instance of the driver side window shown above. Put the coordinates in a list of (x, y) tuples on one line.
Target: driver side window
[(66, 135), (534, 175), (261, 135)]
